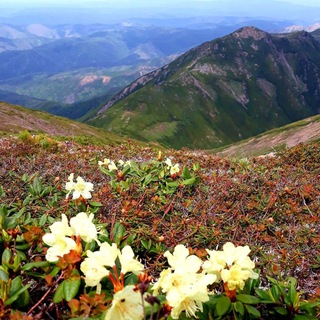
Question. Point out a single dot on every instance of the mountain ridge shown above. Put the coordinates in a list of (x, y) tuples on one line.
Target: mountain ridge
[(233, 87)]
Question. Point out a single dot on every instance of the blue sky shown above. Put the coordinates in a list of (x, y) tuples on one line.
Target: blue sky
[(295, 11), (131, 2)]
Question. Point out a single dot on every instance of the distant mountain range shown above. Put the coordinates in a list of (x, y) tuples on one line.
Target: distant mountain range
[(71, 63), (220, 92), (68, 63)]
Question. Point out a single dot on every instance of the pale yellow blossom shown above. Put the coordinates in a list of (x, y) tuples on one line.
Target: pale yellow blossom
[(126, 305), (105, 162), (128, 262), (59, 246), (233, 254), (174, 169), (83, 226), (215, 263), (181, 261), (93, 270), (235, 277), (61, 228), (80, 188)]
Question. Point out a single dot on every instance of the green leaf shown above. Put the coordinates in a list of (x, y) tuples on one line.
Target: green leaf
[(305, 317), (3, 214), (238, 306), (309, 305), (24, 297), (281, 310), (293, 295), (117, 233), (23, 246), (147, 244), (185, 173), (129, 239), (54, 271), (247, 299), (189, 182), (16, 285), (38, 264), (27, 200), (173, 184), (263, 295), (16, 295), (95, 204), (6, 256), (43, 220), (253, 311), (147, 179), (223, 305), (275, 293), (59, 294), (72, 285), (4, 275), (22, 256)]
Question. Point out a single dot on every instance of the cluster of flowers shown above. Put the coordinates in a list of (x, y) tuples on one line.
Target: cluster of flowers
[(111, 164), (94, 267), (185, 283), (173, 168), (80, 188), (64, 237)]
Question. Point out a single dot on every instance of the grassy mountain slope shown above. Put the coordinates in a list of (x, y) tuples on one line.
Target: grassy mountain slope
[(223, 91), (14, 119), (306, 130)]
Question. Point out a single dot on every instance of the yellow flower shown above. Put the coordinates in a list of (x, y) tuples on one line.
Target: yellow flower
[(94, 265), (126, 305), (108, 254), (184, 292), (82, 225), (168, 163), (112, 166), (181, 261), (62, 227), (59, 246), (233, 264), (215, 263), (186, 289), (235, 277), (58, 241), (93, 270), (80, 188), (105, 162), (128, 263), (70, 183), (174, 169), (234, 254)]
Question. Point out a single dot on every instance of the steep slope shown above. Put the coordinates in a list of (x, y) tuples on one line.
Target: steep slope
[(14, 119), (221, 91), (291, 135)]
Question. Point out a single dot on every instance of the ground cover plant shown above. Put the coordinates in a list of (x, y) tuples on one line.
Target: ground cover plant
[(242, 235)]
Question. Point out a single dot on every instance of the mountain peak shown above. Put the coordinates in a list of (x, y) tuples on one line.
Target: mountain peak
[(250, 32)]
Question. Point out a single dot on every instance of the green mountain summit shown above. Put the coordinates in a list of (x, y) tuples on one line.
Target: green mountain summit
[(220, 92)]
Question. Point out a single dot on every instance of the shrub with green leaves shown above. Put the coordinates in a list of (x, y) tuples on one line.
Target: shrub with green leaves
[(59, 261), (156, 177)]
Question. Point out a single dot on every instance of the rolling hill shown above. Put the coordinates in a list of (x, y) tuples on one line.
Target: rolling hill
[(221, 92), (14, 119)]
